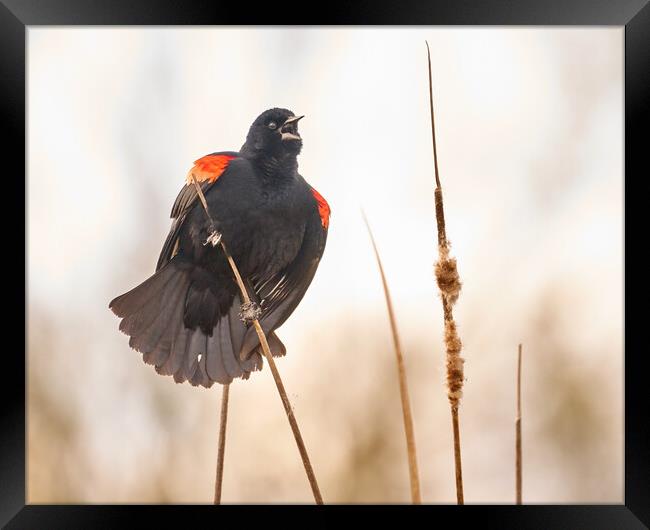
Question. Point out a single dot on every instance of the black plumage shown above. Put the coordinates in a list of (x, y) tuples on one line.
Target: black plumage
[(185, 318)]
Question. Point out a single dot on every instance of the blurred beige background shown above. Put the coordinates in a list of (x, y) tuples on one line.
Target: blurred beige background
[(530, 138)]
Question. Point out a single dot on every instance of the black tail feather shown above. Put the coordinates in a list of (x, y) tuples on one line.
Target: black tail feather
[(176, 352), (196, 347), (228, 352), (133, 300), (160, 354), (145, 340), (155, 313), (215, 356)]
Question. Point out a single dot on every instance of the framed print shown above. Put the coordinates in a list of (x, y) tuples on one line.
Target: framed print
[(379, 259)]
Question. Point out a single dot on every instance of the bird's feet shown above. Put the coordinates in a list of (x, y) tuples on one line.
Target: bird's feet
[(214, 239), (250, 311)]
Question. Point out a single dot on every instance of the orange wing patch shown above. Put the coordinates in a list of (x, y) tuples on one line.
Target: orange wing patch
[(323, 208), (209, 168)]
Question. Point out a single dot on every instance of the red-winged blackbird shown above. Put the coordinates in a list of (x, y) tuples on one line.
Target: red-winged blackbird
[(185, 319)]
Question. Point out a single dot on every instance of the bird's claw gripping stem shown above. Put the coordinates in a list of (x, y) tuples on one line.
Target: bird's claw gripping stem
[(214, 238), (250, 311)]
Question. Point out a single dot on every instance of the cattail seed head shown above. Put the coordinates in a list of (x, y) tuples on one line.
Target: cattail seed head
[(455, 373), (447, 276)]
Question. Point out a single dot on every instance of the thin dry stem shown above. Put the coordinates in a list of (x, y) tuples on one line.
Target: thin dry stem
[(518, 461), (460, 496), (269, 357), (222, 443), (401, 376), (433, 129), (278, 383), (449, 285)]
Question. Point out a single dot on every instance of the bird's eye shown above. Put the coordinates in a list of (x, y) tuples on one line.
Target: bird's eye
[(273, 125)]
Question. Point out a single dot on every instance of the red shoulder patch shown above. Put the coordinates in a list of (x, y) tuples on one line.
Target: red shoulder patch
[(323, 208), (209, 168)]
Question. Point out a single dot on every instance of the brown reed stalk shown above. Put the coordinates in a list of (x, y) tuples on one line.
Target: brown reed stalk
[(222, 443), (449, 285), (518, 462), (401, 376), (267, 353)]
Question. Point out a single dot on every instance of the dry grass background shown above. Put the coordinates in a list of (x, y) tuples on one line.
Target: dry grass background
[(529, 126)]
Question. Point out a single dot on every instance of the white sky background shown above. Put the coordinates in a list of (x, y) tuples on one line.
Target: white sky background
[(529, 123)]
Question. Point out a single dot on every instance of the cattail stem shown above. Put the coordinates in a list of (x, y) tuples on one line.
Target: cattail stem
[(292, 420), (278, 383), (460, 497), (518, 461), (403, 384), (222, 443), (449, 285), (269, 357)]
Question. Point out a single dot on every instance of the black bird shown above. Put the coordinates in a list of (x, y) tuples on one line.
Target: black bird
[(185, 319)]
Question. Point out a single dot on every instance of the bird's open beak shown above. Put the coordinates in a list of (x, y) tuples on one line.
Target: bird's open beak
[(290, 130)]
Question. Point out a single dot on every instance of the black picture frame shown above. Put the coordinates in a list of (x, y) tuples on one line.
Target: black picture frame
[(16, 15)]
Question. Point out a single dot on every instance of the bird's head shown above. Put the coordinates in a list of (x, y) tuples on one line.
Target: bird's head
[(275, 132)]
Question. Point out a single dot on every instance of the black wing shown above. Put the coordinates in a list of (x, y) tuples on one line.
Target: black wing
[(184, 202), (281, 294)]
